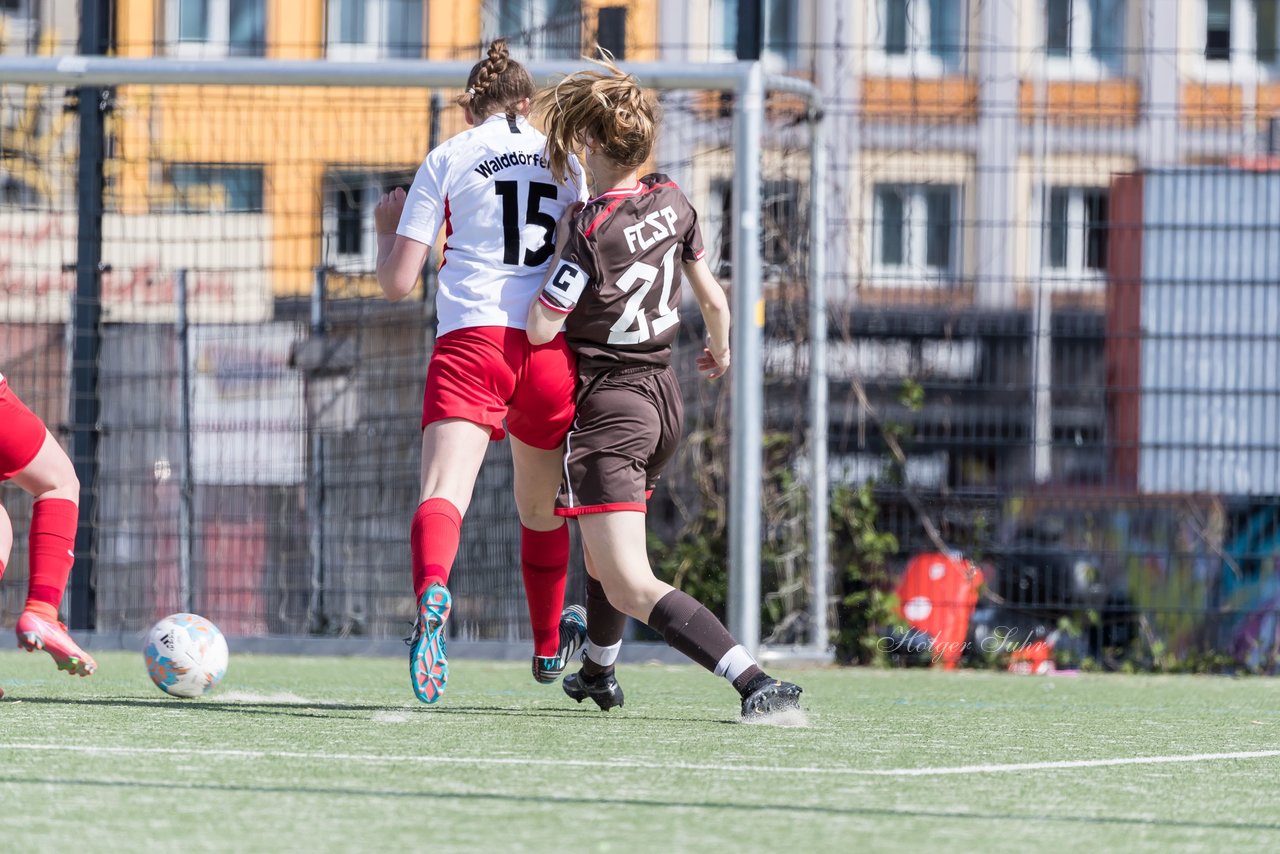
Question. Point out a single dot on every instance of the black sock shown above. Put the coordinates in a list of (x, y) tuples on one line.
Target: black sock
[(751, 680), (605, 625), (693, 630)]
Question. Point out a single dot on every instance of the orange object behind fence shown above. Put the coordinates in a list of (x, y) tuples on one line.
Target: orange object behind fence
[(937, 595)]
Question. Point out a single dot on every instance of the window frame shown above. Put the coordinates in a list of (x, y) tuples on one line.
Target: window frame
[(780, 198), (1082, 62), (23, 26), (915, 271), (372, 183), (174, 202), (1076, 274), (772, 58), (919, 59), (1243, 64), (537, 49), (217, 27), (374, 47)]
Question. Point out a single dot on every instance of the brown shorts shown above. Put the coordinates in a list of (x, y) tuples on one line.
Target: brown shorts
[(627, 428)]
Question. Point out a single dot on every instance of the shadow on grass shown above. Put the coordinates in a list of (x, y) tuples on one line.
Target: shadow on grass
[(321, 708), (792, 808)]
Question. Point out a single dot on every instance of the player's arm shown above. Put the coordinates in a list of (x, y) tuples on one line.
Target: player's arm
[(715, 314), (400, 258), (544, 322), (561, 286)]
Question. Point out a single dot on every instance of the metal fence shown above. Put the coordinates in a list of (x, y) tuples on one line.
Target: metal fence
[(255, 447), (1052, 336)]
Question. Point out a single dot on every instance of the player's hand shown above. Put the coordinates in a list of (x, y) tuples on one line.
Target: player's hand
[(714, 365), (565, 226), (386, 215)]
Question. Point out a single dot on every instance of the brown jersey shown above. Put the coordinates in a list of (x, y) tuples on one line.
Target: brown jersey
[(619, 275)]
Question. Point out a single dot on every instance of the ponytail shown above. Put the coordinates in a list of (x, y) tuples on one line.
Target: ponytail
[(609, 108)]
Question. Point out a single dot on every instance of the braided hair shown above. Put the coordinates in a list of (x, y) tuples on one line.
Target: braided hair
[(497, 83)]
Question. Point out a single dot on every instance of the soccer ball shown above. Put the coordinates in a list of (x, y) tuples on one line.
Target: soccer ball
[(186, 655)]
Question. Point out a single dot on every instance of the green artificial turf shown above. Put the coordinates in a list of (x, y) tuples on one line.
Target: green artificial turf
[(329, 754)]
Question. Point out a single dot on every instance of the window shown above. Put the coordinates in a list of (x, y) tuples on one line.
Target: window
[(350, 241), (374, 29), (216, 28), (914, 234), (779, 27), (1075, 232), (1240, 37), (1217, 30), (1085, 36), (1267, 36), (782, 203), (16, 193), (214, 188), (537, 29), (19, 26), (920, 37)]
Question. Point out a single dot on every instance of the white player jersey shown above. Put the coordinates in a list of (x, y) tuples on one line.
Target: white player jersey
[(492, 190)]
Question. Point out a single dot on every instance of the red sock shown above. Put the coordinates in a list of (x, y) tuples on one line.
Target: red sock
[(1, 570), (437, 528), (52, 543), (544, 562)]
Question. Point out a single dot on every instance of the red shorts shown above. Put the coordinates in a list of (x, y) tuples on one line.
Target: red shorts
[(21, 433), (487, 373)]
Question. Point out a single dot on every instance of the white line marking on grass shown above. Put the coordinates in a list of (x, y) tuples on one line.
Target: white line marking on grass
[(390, 717), (1068, 763), (284, 697), (373, 758)]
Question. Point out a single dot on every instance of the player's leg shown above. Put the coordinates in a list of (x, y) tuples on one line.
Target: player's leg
[(51, 478), (605, 624), (6, 547), (616, 541), (463, 404), (6, 539), (452, 452), (539, 415), (558, 633)]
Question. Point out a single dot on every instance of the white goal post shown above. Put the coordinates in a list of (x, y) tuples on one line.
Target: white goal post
[(749, 83)]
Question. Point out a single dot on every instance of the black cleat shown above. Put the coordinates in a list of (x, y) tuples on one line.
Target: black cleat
[(573, 637), (773, 696), (604, 689)]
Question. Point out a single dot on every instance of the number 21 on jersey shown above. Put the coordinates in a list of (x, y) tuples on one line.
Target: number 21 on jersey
[(633, 327)]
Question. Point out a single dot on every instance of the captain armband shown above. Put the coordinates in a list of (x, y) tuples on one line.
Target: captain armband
[(565, 286)]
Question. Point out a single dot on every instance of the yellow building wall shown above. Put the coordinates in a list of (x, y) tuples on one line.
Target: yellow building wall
[(296, 134)]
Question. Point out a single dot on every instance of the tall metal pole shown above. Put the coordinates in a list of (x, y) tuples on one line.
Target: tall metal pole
[(186, 508), (747, 389), (1042, 384), (819, 497), (1042, 309), (86, 312), (315, 481)]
